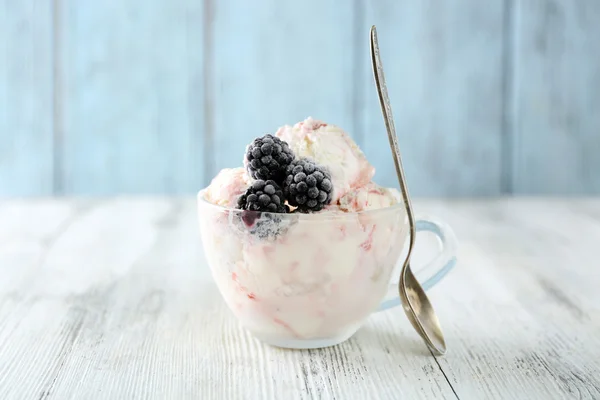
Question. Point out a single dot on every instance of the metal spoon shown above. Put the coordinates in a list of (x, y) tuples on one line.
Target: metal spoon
[(414, 300)]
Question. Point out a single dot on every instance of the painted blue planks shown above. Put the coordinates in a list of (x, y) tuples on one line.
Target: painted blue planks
[(556, 98), (277, 63), (26, 129), (443, 63), (132, 96)]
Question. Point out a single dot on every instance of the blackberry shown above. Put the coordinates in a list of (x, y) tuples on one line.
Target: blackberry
[(263, 203), (263, 196), (267, 158), (307, 185)]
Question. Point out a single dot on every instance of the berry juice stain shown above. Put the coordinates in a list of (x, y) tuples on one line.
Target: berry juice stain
[(366, 245), (250, 217), (342, 229)]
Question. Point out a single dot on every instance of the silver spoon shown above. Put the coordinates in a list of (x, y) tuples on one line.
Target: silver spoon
[(414, 300)]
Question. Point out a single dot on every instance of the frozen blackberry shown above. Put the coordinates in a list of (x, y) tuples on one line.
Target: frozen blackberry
[(307, 185), (267, 158), (263, 196), (263, 203)]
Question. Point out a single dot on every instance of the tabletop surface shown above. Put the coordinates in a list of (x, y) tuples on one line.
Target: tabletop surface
[(112, 299)]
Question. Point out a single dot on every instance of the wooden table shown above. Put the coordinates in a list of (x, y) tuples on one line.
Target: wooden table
[(112, 299)]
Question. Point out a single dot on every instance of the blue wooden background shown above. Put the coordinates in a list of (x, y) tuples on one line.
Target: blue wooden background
[(147, 96)]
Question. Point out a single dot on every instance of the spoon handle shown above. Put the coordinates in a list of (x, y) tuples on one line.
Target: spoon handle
[(386, 109)]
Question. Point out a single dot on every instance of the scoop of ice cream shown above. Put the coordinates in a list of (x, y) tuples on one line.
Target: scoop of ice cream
[(227, 186), (331, 147), (369, 197)]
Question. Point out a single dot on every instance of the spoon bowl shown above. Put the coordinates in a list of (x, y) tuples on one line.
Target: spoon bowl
[(418, 308)]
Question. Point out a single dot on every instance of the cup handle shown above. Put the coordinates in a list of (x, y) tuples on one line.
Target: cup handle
[(435, 270)]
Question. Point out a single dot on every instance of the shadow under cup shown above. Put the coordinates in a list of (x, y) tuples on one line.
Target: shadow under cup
[(302, 280)]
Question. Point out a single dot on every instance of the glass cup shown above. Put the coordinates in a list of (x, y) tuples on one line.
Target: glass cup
[(307, 281)]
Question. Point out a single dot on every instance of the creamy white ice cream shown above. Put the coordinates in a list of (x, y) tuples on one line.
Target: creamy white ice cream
[(331, 147), (227, 186), (369, 197), (317, 278)]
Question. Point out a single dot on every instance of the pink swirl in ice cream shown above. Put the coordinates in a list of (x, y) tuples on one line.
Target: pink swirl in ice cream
[(227, 186), (368, 197), (331, 147)]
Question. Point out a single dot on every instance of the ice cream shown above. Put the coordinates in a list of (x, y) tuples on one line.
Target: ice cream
[(318, 279), (227, 186), (315, 272), (368, 197), (331, 146)]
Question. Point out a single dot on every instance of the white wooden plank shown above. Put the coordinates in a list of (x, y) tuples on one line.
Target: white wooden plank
[(27, 232), (277, 64), (124, 307), (132, 86), (521, 312), (26, 103), (24, 245), (557, 72), (443, 65)]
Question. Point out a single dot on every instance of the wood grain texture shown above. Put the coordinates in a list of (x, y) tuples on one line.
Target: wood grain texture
[(122, 305), (133, 96), (277, 64), (523, 310), (26, 104), (443, 66), (556, 97), (112, 299)]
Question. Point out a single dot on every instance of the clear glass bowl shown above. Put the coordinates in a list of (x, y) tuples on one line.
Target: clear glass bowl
[(303, 280), (311, 280)]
